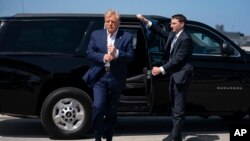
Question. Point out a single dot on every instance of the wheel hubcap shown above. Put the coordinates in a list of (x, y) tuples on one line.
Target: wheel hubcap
[(68, 114)]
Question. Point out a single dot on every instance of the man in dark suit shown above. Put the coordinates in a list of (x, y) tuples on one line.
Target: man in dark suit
[(110, 50), (178, 50)]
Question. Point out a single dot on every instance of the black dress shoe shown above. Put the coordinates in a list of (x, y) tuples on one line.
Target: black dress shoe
[(104, 135), (107, 138)]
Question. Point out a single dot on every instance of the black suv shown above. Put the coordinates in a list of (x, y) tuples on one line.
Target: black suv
[(43, 59)]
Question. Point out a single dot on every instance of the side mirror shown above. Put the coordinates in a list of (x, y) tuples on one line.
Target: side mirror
[(227, 49)]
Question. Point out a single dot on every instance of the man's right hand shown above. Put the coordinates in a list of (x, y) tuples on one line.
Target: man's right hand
[(142, 18), (108, 57), (111, 50)]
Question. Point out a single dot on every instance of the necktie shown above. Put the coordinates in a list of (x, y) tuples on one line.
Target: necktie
[(172, 44)]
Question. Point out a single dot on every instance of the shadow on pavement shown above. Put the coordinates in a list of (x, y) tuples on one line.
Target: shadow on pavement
[(161, 125), (24, 127)]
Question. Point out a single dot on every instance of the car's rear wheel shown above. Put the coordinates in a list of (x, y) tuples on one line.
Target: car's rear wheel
[(66, 113)]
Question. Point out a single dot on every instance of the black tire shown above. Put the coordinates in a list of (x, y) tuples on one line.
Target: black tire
[(66, 113)]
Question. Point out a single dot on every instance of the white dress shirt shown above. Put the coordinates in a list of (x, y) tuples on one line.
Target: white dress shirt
[(111, 41)]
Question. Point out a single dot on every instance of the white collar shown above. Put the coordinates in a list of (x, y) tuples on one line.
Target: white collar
[(179, 33), (114, 35)]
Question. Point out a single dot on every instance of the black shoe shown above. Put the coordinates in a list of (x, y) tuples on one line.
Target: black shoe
[(104, 135), (107, 138)]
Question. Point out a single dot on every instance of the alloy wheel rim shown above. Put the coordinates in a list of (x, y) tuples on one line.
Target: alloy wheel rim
[(68, 114)]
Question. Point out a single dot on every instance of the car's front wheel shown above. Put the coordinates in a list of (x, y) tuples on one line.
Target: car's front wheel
[(66, 113)]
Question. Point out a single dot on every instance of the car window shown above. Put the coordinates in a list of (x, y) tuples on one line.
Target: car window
[(140, 61), (133, 32), (93, 25), (156, 45), (43, 36), (204, 43)]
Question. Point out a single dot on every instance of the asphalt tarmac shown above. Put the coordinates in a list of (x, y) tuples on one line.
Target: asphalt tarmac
[(140, 128)]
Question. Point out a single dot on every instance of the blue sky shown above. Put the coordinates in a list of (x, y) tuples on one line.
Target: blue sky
[(233, 14)]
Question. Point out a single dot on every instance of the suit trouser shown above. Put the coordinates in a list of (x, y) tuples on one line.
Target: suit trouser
[(178, 95), (106, 95)]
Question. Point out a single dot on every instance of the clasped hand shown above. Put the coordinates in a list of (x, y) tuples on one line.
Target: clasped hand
[(111, 53)]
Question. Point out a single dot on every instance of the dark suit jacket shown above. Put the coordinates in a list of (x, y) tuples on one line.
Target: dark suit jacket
[(179, 63), (98, 47)]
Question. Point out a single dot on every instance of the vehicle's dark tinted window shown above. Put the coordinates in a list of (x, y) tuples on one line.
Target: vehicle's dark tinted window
[(134, 33), (204, 43), (155, 46), (43, 36), (93, 25), (140, 61)]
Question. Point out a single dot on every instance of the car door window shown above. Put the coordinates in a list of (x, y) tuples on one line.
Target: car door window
[(135, 68), (155, 45), (204, 43)]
